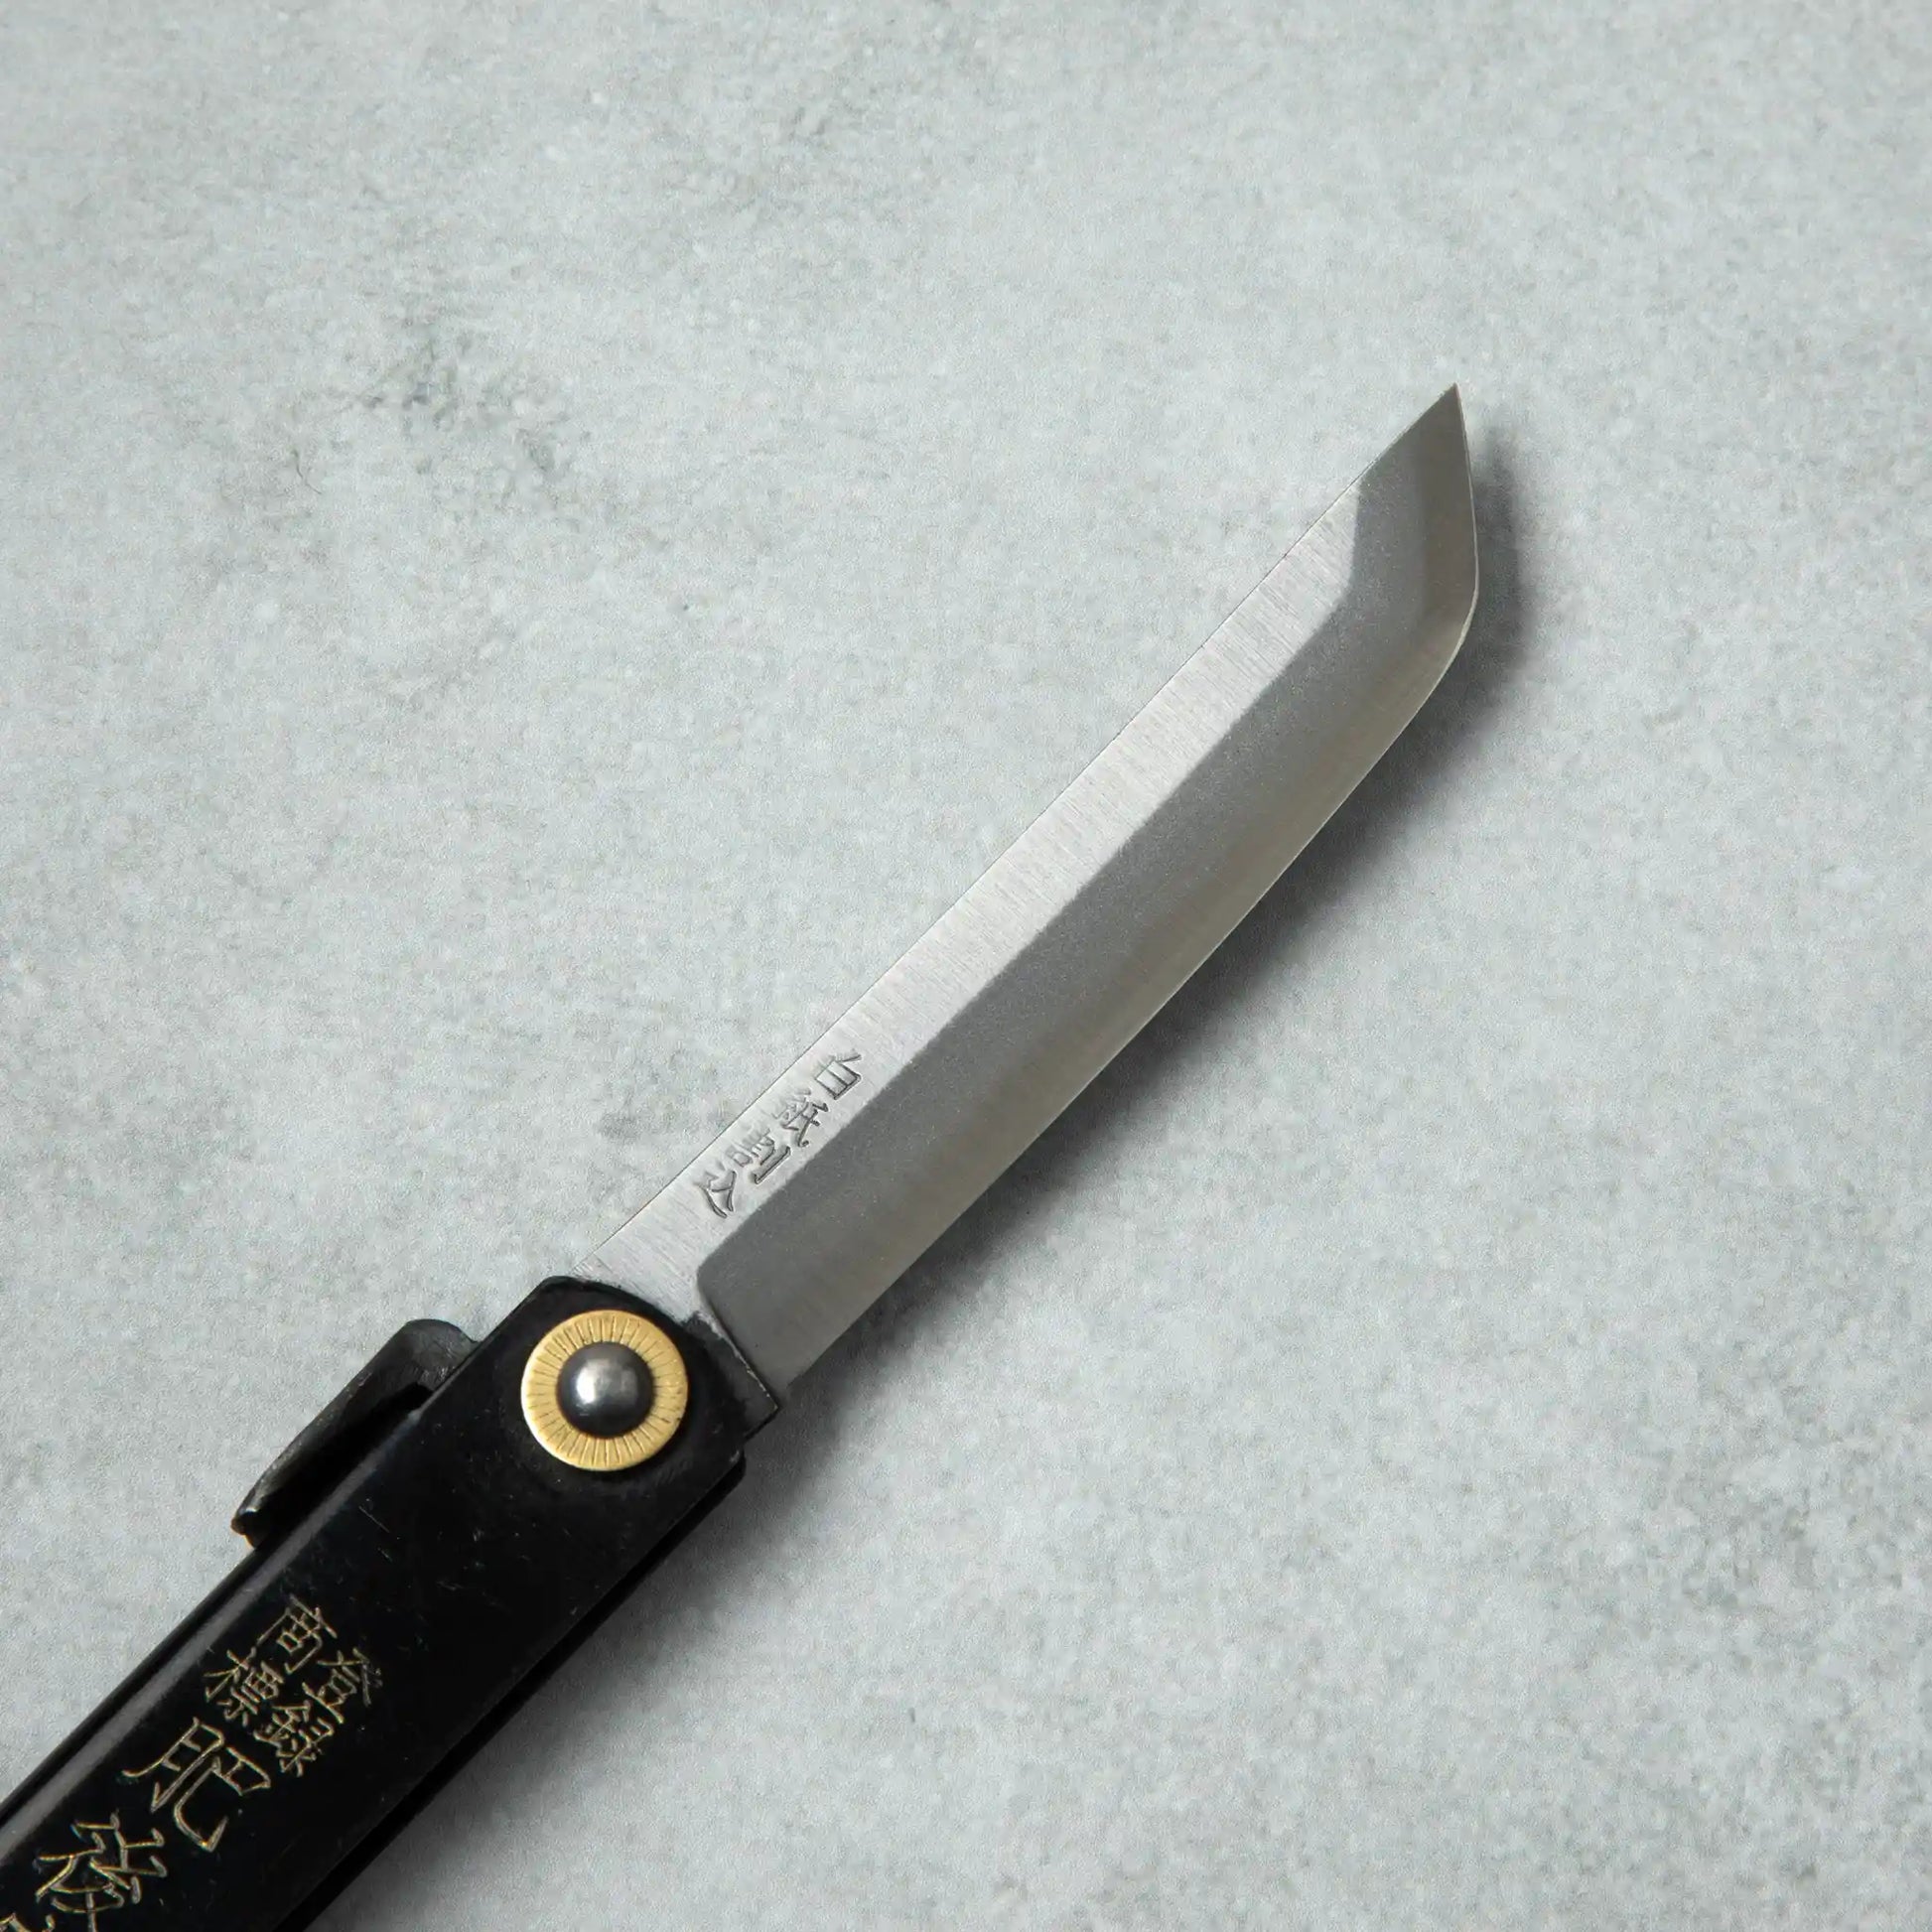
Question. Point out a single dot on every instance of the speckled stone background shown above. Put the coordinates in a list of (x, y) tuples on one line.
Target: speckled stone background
[(539, 547)]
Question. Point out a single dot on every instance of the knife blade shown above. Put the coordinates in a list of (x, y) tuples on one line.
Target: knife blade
[(463, 1513), (978, 1037)]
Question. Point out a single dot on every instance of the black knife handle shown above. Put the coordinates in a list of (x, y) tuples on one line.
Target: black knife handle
[(394, 1614)]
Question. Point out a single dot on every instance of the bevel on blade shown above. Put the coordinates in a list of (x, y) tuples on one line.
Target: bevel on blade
[(818, 1196)]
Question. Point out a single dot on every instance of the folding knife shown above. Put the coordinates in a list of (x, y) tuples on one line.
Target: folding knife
[(464, 1511)]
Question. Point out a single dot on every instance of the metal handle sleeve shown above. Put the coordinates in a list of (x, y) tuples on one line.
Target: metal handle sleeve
[(386, 1626)]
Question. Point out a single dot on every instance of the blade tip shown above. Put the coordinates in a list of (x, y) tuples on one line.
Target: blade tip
[(1432, 457)]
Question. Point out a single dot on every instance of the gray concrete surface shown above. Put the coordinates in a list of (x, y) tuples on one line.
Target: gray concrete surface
[(539, 547)]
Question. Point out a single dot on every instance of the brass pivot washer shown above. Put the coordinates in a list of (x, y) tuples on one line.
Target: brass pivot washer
[(543, 1406)]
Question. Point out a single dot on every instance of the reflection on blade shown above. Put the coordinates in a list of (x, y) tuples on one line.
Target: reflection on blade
[(814, 1201)]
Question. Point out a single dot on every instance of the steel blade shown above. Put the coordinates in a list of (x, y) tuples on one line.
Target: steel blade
[(809, 1205)]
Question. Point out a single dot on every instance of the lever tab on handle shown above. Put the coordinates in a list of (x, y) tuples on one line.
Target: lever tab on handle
[(418, 1569), (404, 1372)]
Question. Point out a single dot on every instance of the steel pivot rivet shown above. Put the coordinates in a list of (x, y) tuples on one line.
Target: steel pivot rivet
[(604, 1390)]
